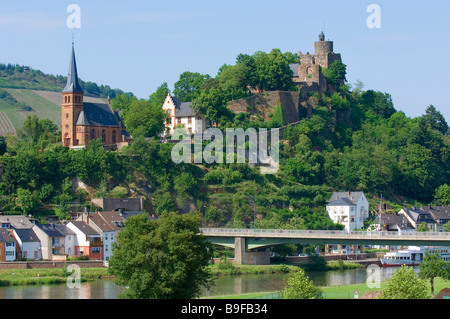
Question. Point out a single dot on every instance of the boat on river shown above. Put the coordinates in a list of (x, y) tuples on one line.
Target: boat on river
[(413, 256)]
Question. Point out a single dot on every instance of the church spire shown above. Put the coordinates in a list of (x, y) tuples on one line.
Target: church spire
[(73, 85)]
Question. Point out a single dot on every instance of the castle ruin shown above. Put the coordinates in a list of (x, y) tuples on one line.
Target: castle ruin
[(308, 73)]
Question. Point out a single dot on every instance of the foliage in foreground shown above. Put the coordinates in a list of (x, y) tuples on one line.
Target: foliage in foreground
[(405, 284), (299, 286), (163, 259)]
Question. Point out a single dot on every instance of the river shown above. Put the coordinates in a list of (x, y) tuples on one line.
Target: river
[(224, 285)]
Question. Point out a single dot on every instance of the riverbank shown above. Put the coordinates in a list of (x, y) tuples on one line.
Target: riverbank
[(355, 291), (45, 276)]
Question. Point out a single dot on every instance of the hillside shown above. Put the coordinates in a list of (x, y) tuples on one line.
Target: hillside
[(342, 140), (24, 91)]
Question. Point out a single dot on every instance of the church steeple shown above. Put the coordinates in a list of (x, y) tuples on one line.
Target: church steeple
[(72, 104), (73, 85)]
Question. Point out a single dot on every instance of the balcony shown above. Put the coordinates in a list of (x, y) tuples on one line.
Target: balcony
[(95, 242)]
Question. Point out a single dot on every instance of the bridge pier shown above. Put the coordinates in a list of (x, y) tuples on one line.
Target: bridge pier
[(242, 256)]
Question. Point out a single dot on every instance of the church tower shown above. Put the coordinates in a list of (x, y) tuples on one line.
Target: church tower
[(72, 104)]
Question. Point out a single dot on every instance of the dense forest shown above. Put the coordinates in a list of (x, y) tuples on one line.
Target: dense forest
[(354, 139)]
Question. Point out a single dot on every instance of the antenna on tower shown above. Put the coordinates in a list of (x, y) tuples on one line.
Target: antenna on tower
[(73, 37), (323, 26)]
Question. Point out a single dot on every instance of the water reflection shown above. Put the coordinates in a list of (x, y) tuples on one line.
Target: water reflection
[(99, 289), (225, 285)]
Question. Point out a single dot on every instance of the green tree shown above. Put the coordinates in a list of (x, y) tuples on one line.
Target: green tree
[(232, 81), (212, 103), (336, 73), (299, 286), (163, 259), (144, 117), (442, 195), (159, 96), (273, 71), (435, 120), (422, 227), (446, 227), (433, 266), (404, 284), (26, 200), (188, 86)]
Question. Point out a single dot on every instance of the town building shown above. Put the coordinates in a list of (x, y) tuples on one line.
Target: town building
[(435, 217), (7, 245), (83, 121), (28, 244), (107, 224), (16, 221), (53, 240), (392, 222), (350, 209), (88, 241), (181, 114)]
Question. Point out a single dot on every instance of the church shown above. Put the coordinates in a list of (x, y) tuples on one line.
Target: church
[(84, 119)]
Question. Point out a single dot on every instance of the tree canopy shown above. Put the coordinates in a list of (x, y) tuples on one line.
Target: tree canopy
[(163, 259)]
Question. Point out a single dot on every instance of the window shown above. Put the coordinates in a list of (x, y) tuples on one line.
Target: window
[(95, 250), (114, 136), (103, 136), (189, 120), (67, 115), (93, 134)]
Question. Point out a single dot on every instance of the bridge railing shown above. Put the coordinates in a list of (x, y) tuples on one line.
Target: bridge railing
[(325, 233)]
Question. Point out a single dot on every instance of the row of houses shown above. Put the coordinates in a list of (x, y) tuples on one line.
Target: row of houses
[(408, 219), (351, 209), (90, 235)]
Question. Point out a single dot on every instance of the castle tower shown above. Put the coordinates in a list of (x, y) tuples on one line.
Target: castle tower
[(309, 75), (72, 104), (323, 52)]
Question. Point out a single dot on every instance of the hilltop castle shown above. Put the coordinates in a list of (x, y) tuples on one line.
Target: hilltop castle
[(83, 121), (308, 73)]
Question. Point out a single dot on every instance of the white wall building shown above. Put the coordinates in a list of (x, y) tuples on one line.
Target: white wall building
[(29, 244), (350, 209), (181, 113)]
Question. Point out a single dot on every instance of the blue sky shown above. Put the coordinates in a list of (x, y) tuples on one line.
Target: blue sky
[(137, 45)]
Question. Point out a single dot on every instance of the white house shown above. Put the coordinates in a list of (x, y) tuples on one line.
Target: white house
[(350, 209), (181, 113), (108, 224), (88, 241), (29, 243)]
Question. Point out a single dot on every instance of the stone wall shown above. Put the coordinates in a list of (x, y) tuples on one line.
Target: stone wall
[(126, 204), (263, 104), (49, 264)]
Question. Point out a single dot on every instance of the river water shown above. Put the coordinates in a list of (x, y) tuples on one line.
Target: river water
[(224, 285)]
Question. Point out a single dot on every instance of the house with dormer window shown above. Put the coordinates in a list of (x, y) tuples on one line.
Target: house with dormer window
[(181, 114), (350, 209)]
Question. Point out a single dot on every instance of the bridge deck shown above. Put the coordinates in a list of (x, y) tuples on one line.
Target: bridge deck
[(266, 237)]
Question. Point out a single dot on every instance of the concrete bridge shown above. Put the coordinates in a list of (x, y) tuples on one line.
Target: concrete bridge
[(251, 246)]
